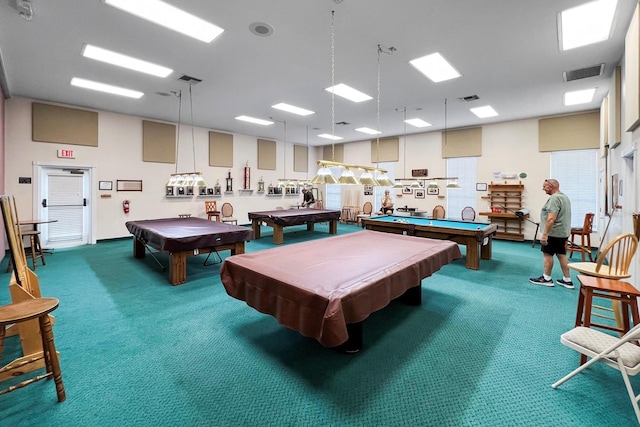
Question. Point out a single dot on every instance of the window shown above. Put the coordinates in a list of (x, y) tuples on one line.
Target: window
[(465, 169), (577, 173)]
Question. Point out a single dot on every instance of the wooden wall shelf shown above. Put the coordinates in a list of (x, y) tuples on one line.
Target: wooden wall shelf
[(504, 201)]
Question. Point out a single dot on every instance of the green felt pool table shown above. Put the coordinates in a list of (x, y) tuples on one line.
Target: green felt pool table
[(476, 236)]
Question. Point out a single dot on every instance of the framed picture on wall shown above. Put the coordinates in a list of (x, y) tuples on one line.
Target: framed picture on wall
[(433, 191), (105, 185), (481, 186), (407, 190), (419, 193), (614, 191)]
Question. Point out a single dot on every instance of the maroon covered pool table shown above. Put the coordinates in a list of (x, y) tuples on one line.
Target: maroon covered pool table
[(184, 237), (325, 288), (279, 219)]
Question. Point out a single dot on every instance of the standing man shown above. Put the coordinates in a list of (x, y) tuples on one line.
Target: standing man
[(555, 220), (307, 198)]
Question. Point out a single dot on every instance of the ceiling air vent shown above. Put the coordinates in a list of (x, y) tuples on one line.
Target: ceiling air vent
[(469, 98), (342, 123), (190, 80), (583, 73)]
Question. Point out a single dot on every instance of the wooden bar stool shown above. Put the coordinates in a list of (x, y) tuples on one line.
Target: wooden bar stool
[(37, 308), (36, 249)]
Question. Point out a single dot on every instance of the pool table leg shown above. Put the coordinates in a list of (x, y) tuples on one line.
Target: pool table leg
[(333, 226), (278, 234), (353, 344), (473, 254), (256, 228), (412, 296), (178, 268), (138, 248), (487, 249), (310, 226)]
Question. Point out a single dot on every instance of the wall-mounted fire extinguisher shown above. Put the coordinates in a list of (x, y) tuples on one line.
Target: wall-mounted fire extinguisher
[(125, 206)]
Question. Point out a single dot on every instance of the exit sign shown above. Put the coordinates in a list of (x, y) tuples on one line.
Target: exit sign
[(66, 154)]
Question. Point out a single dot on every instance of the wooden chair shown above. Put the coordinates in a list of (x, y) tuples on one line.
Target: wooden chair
[(612, 263), (584, 247), (22, 315), (211, 209), (468, 214), (618, 353), (227, 213), (438, 212), (365, 212)]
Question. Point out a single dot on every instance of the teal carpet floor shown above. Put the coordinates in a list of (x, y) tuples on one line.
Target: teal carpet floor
[(482, 350)]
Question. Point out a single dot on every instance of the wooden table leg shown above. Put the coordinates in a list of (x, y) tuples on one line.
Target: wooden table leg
[(255, 225), (278, 234), (333, 226)]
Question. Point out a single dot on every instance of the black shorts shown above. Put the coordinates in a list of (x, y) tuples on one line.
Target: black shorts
[(555, 246)]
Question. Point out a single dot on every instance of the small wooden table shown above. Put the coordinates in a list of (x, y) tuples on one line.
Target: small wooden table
[(616, 290)]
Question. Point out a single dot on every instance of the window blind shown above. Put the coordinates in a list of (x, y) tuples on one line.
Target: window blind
[(577, 173)]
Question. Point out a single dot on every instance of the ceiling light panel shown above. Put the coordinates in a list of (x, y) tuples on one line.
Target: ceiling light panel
[(484, 111), (419, 123), (114, 58), (586, 24), (170, 17), (331, 137), (292, 109), (102, 87), (369, 131), (348, 92), (254, 120), (435, 67), (579, 96)]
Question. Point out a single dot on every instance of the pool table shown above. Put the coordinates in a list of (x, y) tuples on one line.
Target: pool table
[(185, 237), (476, 236), (326, 288), (279, 219)]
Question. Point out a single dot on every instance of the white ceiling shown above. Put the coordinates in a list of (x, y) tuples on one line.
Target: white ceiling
[(507, 51)]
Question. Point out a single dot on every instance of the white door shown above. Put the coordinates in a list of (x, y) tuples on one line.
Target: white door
[(65, 200)]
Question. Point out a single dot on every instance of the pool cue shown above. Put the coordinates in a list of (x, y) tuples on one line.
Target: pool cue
[(606, 229)]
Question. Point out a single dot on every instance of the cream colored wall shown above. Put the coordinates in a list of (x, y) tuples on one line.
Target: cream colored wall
[(119, 156), (510, 147)]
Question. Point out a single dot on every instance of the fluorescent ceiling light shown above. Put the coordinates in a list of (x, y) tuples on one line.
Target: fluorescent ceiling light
[(101, 87), (254, 120), (113, 58), (586, 24), (484, 112), (169, 16), (292, 109), (419, 123), (348, 92), (368, 131), (579, 96), (329, 136), (435, 67)]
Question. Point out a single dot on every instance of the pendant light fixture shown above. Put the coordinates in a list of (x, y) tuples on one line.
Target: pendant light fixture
[(382, 178), (186, 183), (324, 176), (452, 181)]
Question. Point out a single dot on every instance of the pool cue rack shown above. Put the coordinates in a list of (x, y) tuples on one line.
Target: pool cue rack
[(504, 201)]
